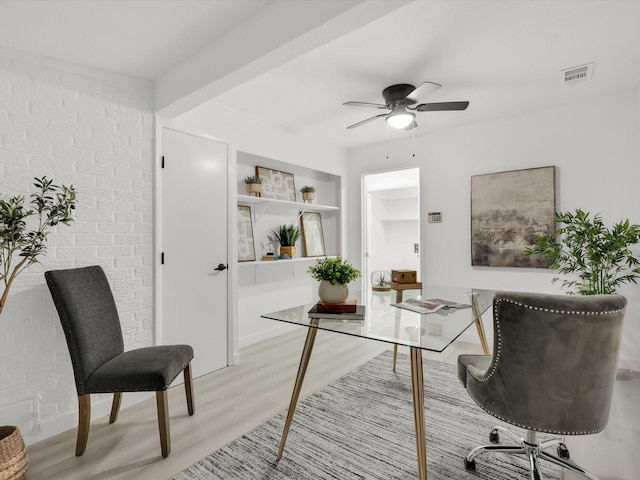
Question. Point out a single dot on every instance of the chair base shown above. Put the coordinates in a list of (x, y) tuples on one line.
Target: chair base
[(530, 447)]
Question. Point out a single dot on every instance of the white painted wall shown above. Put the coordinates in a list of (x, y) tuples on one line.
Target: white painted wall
[(595, 146), (95, 131)]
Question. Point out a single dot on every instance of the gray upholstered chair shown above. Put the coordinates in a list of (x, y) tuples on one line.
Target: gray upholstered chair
[(91, 325), (552, 370)]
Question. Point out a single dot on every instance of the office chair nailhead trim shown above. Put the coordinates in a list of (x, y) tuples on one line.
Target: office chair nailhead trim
[(556, 432), (497, 352), (562, 312)]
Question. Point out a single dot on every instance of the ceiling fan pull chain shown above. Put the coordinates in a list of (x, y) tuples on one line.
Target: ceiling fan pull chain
[(387, 142), (413, 135)]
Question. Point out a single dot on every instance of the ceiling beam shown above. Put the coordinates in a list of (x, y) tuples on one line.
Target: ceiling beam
[(278, 33)]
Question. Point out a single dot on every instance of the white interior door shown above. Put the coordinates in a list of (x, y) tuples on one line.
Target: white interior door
[(194, 244)]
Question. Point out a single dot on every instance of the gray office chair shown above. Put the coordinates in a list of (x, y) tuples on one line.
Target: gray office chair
[(552, 370), (91, 326)]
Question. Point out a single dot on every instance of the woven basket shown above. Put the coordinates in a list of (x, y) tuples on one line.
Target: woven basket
[(13, 454)]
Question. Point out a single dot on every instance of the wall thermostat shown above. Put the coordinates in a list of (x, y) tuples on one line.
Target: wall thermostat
[(434, 217)]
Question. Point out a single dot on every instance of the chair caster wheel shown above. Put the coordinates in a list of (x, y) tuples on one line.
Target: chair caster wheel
[(494, 437), (563, 451), (469, 465)]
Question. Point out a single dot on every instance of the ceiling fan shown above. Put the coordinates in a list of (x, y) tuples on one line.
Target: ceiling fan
[(400, 99)]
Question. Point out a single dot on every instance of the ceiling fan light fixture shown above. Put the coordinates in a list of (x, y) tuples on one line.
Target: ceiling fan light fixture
[(400, 118)]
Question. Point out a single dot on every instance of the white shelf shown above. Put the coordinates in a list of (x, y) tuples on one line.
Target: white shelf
[(307, 207), (282, 262)]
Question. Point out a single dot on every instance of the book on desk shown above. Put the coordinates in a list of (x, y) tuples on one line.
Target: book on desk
[(429, 306), (346, 311)]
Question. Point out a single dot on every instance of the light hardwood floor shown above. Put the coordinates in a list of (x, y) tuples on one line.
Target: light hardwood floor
[(232, 401)]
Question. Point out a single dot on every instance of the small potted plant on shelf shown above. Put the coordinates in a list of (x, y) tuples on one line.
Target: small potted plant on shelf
[(254, 185), (597, 259), (286, 236), (333, 274), (308, 193)]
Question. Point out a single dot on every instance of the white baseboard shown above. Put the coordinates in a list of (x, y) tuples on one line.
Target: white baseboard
[(100, 407), (266, 334)]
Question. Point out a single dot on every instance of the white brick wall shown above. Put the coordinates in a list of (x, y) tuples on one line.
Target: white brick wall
[(95, 131)]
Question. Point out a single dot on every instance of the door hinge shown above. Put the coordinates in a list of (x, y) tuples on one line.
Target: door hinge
[(162, 165), (162, 258)]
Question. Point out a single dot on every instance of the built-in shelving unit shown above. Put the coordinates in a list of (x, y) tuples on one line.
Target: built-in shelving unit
[(267, 213)]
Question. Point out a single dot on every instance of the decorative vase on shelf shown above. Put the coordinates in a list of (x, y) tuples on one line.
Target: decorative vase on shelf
[(254, 189), (308, 197), (291, 251), (337, 293)]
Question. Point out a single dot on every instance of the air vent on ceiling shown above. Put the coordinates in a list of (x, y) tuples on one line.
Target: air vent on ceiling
[(578, 74)]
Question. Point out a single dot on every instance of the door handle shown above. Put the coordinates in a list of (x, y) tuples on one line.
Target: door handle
[(221, 267)]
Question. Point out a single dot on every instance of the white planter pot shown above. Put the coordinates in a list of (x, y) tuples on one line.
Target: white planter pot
[(332, 293)]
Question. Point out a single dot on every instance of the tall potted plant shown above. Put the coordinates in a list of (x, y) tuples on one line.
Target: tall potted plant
[(286, 236), (333, 274), (583, 246), (20, 247)]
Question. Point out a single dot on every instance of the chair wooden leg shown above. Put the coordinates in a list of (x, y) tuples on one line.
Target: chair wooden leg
[(115, 406), (84, 420), (163, 422), (188, 388)]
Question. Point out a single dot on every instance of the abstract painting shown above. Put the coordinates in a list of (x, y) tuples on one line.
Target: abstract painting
[(509, 211), (246, 249), (276, 184), (312, 236)]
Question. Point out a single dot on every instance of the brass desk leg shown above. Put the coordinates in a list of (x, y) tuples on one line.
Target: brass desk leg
[(302, 369), (417, 387), (395, 346), (479, 325)]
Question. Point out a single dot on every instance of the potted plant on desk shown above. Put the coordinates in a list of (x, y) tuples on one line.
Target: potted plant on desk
[(333, 274)]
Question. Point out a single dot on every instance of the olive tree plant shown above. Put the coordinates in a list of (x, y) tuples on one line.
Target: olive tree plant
[(23, 231), (596, 259)]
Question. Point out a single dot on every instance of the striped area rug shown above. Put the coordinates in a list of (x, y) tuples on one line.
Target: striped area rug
[(361, 427)]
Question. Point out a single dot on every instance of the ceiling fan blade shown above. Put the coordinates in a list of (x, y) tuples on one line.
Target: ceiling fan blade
[(442, 106), (426, 88), (364, 104), (367, 120)]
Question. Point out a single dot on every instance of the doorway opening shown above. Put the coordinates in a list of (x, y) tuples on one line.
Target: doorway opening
[(391, 230)]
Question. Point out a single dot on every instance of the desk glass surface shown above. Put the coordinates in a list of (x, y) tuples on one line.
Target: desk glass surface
[(386, 323)]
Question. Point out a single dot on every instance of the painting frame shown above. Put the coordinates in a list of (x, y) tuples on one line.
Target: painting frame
[(509, 211), (312, 234), (276, 184), (246, 245)]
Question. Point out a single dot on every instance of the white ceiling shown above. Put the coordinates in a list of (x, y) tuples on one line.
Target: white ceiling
[(504, 57), (140, 38)]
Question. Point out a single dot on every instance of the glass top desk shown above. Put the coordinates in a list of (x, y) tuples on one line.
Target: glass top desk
[(386, 323)]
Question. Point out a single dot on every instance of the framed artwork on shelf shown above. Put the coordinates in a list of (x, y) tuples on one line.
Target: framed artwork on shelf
[(276, 184), (246, 248), (312, 236), (509, 211)]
